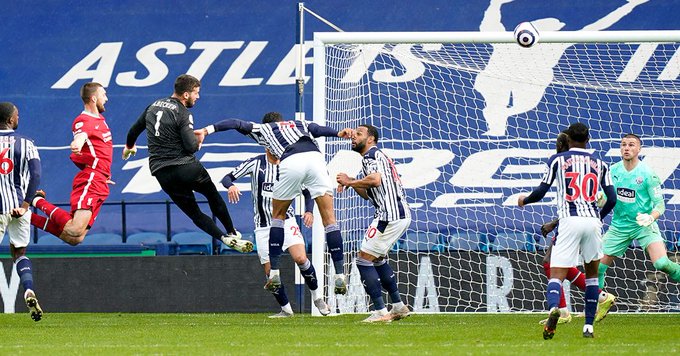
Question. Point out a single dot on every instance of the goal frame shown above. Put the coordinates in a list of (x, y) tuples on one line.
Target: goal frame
[(321, 39)]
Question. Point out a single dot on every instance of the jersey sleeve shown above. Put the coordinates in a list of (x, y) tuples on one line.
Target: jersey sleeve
[(654, 190), (551, 172), (186, 129), (83, 127), (245, 168)]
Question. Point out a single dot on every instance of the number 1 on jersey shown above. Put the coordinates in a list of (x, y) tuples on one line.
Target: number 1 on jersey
[(158, 122)]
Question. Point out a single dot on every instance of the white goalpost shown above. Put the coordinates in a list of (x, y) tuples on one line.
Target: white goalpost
[(470, 118)]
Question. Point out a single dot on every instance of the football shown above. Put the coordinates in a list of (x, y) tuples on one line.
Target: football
[(526, 34)]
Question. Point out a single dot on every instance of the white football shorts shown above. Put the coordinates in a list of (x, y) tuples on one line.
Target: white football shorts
[(19, 229), (377, 243), (577, 237), (306, 169), (292, 236)]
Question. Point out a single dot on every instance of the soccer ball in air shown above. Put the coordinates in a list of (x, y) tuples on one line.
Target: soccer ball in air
[(526, 34)]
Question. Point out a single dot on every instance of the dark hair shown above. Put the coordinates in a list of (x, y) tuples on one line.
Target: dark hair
[(372, 131), (632, 135), (562, 142), (578, 132), (186, 83), (88, 90), (6, 111), (272, 117)]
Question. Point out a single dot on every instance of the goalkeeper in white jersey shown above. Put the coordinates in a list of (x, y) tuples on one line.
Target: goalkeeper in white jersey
[(380, 185), (639, 204)]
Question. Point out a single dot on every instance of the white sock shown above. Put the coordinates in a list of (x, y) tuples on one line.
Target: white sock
[(588, 328), (382, 311), (602, 297), (287, 308), (28, 291), (564, 312), (272, 273), (398, 305), (315, 294), (338, 276)]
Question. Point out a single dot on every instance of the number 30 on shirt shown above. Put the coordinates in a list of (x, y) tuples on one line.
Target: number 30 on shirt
[(581, 187)]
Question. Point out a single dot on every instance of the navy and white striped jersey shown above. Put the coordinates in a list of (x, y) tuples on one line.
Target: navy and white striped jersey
[(285, 137), (17, 179), (263, 175), (388, 198), (579, 176)]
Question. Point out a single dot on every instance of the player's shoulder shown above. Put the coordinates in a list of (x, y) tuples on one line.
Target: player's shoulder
[(24, 138), (616, 166), (373, 153)]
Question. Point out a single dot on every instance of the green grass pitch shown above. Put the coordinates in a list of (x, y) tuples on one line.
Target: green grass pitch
[(193, 334)]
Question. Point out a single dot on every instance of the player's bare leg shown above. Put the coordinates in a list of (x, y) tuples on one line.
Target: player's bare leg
[(333, 240), (76, 228)]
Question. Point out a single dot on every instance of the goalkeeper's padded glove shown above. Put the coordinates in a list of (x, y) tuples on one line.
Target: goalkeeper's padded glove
[(644, 219), (601, 199), (129, 152)]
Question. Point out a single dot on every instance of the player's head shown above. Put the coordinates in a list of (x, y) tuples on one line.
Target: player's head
[(272, 117), (94, 93), (562, 142), (9, 115), (365, 137), (578, 135), (187, 88), (631, 144)]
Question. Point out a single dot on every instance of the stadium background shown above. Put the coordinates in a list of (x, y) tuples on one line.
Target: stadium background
[(45, 41)]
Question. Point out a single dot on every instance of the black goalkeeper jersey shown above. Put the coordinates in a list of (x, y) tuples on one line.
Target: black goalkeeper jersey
[(169, 131)]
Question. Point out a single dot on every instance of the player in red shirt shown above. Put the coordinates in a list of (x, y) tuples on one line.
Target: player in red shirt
[(91, 152)]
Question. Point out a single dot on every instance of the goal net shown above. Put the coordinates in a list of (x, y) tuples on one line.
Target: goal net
[(470, 120)]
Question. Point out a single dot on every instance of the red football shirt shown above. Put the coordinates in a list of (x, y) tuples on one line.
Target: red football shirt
[(97, 152)]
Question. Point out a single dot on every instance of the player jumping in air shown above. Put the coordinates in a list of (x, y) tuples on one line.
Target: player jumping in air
[(639, 204), (301, 165), (579, 176), (262, 170), (170, 134), (91, 152), (382, 186), (19, 179)]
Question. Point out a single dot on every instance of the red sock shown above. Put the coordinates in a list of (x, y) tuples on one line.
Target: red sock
[(577, 278), (46, 224), (563, 302), (546, 269), (54, 214)]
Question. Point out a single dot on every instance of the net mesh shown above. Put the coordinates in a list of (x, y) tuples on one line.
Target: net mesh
[(470, 127)]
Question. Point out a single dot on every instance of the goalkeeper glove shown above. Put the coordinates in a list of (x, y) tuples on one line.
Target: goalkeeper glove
[(129, 152), (644, 219), (601, 199)]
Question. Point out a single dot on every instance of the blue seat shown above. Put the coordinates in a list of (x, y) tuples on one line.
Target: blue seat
[(146, 238), (51, 240), (193, 243), (503, 241), (102, 239), (422, 241), (250, 236), (466, 241)]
